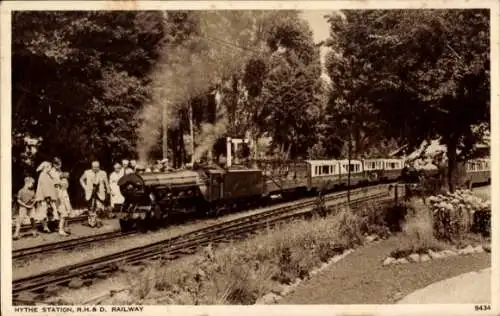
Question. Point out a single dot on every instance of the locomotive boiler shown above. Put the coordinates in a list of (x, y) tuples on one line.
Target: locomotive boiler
[(151, 197)]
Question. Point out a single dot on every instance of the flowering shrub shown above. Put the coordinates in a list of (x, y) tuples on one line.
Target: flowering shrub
[(455, 214)]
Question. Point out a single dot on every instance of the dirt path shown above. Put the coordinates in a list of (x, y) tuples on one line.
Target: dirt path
[(360, 278)]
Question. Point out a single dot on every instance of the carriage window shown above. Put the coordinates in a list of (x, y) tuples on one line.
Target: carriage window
[(331, 169), (326, 169)]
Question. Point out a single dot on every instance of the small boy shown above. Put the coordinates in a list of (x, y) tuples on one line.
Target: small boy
[(26, 202), (64, 208)]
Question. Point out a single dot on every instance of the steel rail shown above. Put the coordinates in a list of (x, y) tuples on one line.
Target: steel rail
[(22, 253)]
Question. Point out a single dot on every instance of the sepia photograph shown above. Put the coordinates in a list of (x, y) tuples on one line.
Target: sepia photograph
[(251, 156)]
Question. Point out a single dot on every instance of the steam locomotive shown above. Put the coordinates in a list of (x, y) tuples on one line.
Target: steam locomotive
[(150, 198)]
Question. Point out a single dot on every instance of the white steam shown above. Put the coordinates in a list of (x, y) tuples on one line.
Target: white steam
[(190, 69)]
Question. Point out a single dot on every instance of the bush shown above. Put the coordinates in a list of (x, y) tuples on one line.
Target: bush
[(373, 219), (456, 214), (481, 222), (418, 229), (348, 228), (394, 217)]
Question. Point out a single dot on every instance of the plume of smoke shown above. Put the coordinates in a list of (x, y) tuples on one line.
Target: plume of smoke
[(211, 132), (192, 68)]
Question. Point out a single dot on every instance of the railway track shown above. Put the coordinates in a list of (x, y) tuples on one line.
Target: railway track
[(23, 253), (188, 243)]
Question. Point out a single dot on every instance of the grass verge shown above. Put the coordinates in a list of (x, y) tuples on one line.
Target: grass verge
[(241, 272)]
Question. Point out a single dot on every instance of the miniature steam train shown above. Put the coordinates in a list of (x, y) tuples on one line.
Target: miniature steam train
[(151, 197)]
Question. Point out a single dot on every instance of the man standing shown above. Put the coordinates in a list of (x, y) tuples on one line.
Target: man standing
[(124, 166), (133, 165), (95, 186), (127, 168)]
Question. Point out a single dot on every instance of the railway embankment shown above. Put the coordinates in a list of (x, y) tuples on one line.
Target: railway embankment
[(337, 259), (244, 272)]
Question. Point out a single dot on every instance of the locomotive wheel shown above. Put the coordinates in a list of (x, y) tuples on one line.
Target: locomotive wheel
[(153, 222), (142, 225), (125, 225), (213, 211)]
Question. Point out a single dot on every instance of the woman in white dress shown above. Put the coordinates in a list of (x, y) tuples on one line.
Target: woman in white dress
[(46, 194), (116, 195)]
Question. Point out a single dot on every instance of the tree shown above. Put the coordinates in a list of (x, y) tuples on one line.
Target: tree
[(427, 72), (78, 79), (288, 100), (285, 103)]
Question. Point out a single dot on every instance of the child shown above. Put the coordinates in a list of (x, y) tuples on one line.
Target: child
[(64, 204), (26, 201)]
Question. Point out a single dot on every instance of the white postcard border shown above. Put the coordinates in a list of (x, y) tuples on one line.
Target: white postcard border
[(5, 142)]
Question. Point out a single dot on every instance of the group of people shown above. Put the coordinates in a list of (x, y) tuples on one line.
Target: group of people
[(158, 166), (50, 201), (98, 187)]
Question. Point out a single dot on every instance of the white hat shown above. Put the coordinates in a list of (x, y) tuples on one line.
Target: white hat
[(43, 166)]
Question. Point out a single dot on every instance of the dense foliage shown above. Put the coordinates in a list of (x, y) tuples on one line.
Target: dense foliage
[(77, 83), (456, 214), (425, 73)]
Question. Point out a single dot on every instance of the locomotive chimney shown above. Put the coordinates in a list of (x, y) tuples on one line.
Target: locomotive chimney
[(228, 152)]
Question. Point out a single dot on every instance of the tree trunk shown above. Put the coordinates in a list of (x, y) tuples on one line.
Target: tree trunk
[(182, 157), (164, 132), (174, 147), (452, 162), (191, 129)]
